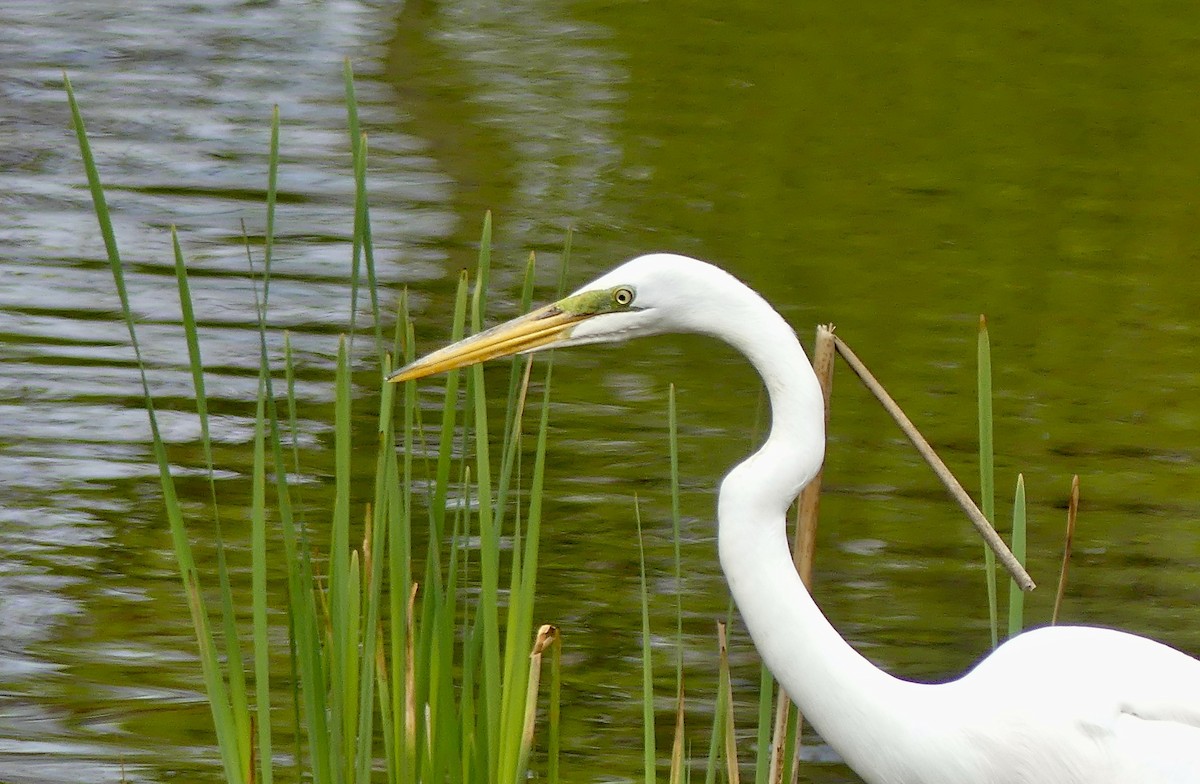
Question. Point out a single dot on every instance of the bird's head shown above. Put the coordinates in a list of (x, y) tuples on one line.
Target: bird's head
[(649, 295)]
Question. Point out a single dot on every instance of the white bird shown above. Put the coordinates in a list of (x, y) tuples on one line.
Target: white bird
[(1056, 705)]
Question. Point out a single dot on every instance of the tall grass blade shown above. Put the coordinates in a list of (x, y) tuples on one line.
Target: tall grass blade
[(516, 387), (987, 469), (729, 730), (258, 551), (224, 723), (1016, 597), (340, 596), (673, 452), (301, 586), (494, 684), (233, 649), (649, 753), (362, 247)]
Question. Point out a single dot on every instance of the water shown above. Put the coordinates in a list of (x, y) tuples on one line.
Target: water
[(895, 172)]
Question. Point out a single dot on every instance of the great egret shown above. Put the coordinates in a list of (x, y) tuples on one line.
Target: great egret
[(1057, 705)]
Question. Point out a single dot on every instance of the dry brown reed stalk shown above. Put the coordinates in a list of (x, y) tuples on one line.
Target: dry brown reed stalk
[(1072, 513), (977, 518), (678, 769), (803, 550), (546, 636)]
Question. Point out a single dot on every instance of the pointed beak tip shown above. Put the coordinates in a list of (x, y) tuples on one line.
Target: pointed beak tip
[(402, 374), (540, 329)]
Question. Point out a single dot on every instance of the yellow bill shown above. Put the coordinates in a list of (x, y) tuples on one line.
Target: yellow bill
[(537, 329)]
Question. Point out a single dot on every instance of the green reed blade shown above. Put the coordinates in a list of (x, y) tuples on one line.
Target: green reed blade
[(386, 476), (512, 430), (987, 470), (433, 581), (341, 646), (289, 365), (362, 231), (400, 562), (1016, 597), (449, 418), (301, 588), (489, 535), (224, 723), (258, 553), (301, 585), (356, 155), (673, 453), (522, 599), (649, 753), (262, 652), (483, 275), (233, 651), (766, 720)]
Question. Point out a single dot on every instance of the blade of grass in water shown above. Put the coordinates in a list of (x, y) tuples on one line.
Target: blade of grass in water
[(258, 549), (1016, 597), (649, 754), (673, 452), (511, 433), (987, 471), (728, 730), (302, 592), (223, 721), (293, 656), (521, 602), (233, 651), (361, 249), (258, 515), (489, 536), (374, 547)]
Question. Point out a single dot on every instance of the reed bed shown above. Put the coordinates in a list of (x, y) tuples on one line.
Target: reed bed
[(406, 666)]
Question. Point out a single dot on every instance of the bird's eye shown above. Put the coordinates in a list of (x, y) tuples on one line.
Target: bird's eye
[(623, 296)]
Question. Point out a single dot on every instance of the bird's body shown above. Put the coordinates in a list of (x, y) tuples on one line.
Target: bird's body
[(1060, 705)]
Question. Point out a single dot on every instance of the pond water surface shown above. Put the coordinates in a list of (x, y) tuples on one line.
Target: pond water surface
[(897, 171)]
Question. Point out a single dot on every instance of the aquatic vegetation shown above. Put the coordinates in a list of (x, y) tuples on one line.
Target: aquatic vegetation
[(425, 663)]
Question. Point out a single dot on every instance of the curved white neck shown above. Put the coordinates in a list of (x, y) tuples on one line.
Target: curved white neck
[(861, 711)]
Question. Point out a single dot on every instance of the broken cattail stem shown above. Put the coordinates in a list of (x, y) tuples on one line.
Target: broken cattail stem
[(810, 497), (546, 636), (981, 523)]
